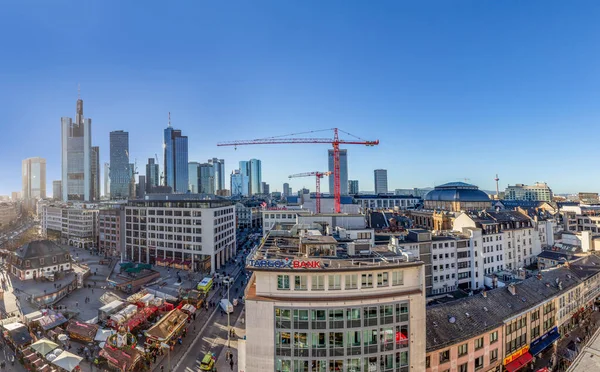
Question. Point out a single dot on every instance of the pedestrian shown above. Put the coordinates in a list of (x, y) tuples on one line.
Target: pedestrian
[(231, 362), (76, 304), (162, 368), (92, 290)]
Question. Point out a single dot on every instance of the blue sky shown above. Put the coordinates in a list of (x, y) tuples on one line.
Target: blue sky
[(452, 89)]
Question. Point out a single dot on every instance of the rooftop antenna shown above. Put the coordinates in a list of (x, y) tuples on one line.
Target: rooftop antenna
[(169, 119)]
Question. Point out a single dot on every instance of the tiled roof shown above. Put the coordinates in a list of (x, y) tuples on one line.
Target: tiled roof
[(35, 250), (448, 323), (554, 255)]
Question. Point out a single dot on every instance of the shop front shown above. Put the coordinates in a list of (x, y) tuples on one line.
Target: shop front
[(518, 360), (542, 343)]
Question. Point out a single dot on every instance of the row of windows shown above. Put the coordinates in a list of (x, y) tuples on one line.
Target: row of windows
[(397, 362), (341, 318), (463, 349), (334, 281)]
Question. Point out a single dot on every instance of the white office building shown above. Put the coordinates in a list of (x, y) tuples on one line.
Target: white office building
[(74, 225), (188, 229)]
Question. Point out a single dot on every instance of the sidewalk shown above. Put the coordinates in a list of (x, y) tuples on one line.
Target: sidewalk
[(223, 363), (544, 359), (202, 316)]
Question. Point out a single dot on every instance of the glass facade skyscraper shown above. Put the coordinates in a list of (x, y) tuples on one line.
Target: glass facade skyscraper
[(255, 177), (176, 160), (343, 171), (206, 175), (381, 183), (120, 174), (152, 175), (218, 173), (34, 179), (193, 177), (236, 183), (76, 140), (245, 177), (95, 173)]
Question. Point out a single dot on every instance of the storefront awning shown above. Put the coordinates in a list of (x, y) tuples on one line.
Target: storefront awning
[(518, 363), (543, 342)]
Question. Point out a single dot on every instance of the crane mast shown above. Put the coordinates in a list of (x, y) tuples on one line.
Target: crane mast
[(318, 176)]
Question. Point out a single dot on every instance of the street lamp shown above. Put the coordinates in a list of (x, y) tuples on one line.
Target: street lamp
[(228, 312)]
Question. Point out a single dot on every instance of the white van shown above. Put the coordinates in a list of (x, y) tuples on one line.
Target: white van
[(226, 306)]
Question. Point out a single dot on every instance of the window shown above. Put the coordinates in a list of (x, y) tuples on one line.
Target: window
[(427, 362), (479, 363), (465, 366), (351, 281), (493, 355), (335, 282), (493, 337), (479, 343), (382, 279), (397, 278), (463, 349), (283, 282), (535, 315), (318, 282), (300, 283), (367, 280), (444, 356)]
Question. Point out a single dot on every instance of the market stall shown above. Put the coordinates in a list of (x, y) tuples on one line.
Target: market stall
[(18, 334), (119, 319), (67, 361), (167, 328), (50, 320), (43, 346), (109, 309), (188, 309), (140, 317), (82, 331), (122, 359)]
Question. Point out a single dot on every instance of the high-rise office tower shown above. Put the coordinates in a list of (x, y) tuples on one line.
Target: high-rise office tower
[(76, 141), (353, 187), (120, 174), (152, 175), (245, 177), (193, 177), (176, 160), (206, 175), (286, 189), (107, 180), (255, 174), (236, 183), (381, 184), (343, 171), (265, 188), (95, 170), (140, 188), (57, 190), (218, 173), (132, 173), (34, 179)]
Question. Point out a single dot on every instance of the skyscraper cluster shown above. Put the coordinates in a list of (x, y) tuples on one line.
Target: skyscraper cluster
[(247, 180)]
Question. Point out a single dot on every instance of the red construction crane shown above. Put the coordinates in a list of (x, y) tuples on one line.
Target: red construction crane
[(335, 142), (318, 176)]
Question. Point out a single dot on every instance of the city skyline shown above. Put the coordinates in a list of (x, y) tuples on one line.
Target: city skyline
[(269, 81)]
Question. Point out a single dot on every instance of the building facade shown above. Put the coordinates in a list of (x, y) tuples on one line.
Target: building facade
[(120, 172), (343, 171), (218, 173), (207, 182), (175, 165), (106, 188), (95, 173), (9, 211), (456, 197), (381, 182), (184, 228), (74, 225), (110, 224), (538, 192), (193, 177), (302, 315), (34, 179), (247, 217), (255, 177), (57, 190), (152, 175), (237, 183), (34, 259), (265, 188), (287, 191), (376, 202), (353, 187), (76, 141)]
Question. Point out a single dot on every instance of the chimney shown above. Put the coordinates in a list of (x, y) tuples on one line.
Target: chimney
[(512, 289)]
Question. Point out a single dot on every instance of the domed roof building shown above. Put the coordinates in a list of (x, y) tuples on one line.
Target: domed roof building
[(457, 196)]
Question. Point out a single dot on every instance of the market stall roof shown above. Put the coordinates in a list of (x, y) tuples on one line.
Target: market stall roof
[(51, 320), (43, 346), (83, 331), (111, 306), (167, 325), (67, 361), (19, 333), (33, 316), (103, 334), (126, 357)]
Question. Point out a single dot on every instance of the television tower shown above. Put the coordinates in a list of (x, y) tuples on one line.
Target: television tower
[(497, 188)]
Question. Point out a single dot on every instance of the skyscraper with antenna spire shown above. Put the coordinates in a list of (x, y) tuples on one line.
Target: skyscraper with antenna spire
[(175, 165)]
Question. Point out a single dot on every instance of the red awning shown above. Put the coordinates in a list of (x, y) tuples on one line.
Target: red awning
[(518, 363)]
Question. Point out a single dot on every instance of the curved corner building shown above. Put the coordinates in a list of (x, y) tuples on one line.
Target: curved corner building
[(316, 303)]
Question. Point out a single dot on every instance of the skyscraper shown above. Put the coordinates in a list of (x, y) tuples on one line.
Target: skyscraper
[(107, 180), (286, 189), (218, 173), (76, 141), (120, 174), (206, 182), (245, 178), (236, 183), (34, 179), (343, 171), (140, 188), (353, 187), (193, 177), (152, 175), (255, 174), (176, 160), (381, 184), (57, 190), (95, 173), (265, 188)]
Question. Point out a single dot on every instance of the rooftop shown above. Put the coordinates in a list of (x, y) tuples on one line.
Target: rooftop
[(457, 191), (463, 319)]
